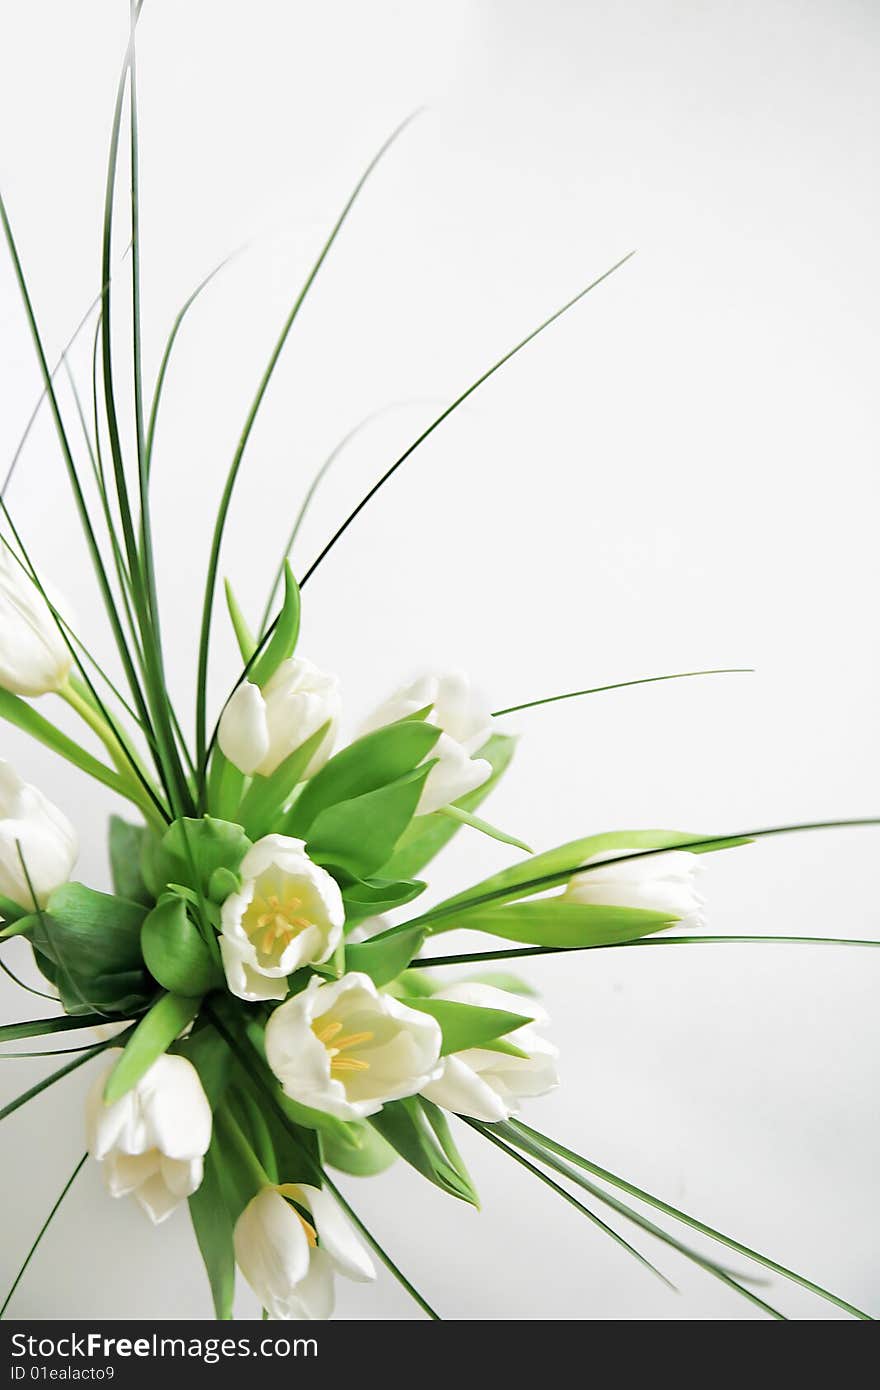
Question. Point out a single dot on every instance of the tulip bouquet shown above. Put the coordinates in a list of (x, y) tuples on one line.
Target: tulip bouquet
[(271, 1009)]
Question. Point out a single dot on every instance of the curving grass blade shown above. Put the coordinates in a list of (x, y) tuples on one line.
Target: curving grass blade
[(525, 1132), (703, 1262), (42, 1231), (623, 685), (202, 749)]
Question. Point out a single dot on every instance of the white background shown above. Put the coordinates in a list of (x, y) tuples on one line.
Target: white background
[(680, 474)]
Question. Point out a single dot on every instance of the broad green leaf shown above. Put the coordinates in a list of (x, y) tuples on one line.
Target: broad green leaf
[(365, 765), (266, 796), (213, 1229), (92, 942), (153, 1036), (125, 844), (466, 1025), (384, 960), (225, 786), (365, 898), (211, 1058), (244, 637), (175, 952), (457, 813), (359, 835), (252, 1123), (427, 835), (440, 1125), (564, 858), (18, 712), (555, 922), (192, 850), (283, 641), (373, 1154), (11, 913), (404, 1125), (248, 1033)]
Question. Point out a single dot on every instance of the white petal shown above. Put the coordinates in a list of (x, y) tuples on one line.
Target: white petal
[(462, 1091), (243, 732), (336, 1237), (271, 1249), (245, 981)]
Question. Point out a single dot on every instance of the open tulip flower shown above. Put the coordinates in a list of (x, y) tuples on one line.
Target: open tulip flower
[(276, 993)]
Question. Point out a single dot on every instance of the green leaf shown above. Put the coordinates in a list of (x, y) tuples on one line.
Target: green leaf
[(211, 1058), (384, 960), (466, 1025), (247, 1032), (266, 796), (427, 835), (18, 712), (125, 843), (244, 637), (463, 817), (437, 1120), (365, 765), (373, 1154), (39, 1027), (225, 786), (153, 1036), (360, 835), (92, 941), (404, 1125), (555, 922), (175, 952), (192, 850), (284, 638), (11, 913), (370, 897), (213, 1230)]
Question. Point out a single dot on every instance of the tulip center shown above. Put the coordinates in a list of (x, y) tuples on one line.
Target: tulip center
[(339, 1045), (272, 920)]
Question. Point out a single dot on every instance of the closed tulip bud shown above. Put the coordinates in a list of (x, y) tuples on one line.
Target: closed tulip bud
[(289, 1242), (151, 1144), (34, 657), (38, 845), (489, 1085), (259, 728), (465, 725), (659, 882)]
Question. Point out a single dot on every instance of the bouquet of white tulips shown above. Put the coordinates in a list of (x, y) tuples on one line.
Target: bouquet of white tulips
[(271, 1003)]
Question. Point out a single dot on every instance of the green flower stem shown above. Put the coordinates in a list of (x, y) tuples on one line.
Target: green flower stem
[(247, 1163), (122, 754)]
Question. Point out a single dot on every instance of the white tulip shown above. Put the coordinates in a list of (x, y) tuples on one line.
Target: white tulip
[(659, 882), (489, 1085), (34, 657), (288, 1259), (34, 835), (259, 728), (151, 1143), (466, 724), (288, 912), (344, 1048)]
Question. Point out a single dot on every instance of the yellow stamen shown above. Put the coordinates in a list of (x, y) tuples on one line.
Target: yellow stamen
[(327, 1032), (273, 919)]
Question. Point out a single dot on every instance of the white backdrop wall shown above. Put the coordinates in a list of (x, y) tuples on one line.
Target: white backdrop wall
[(681, 473)]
